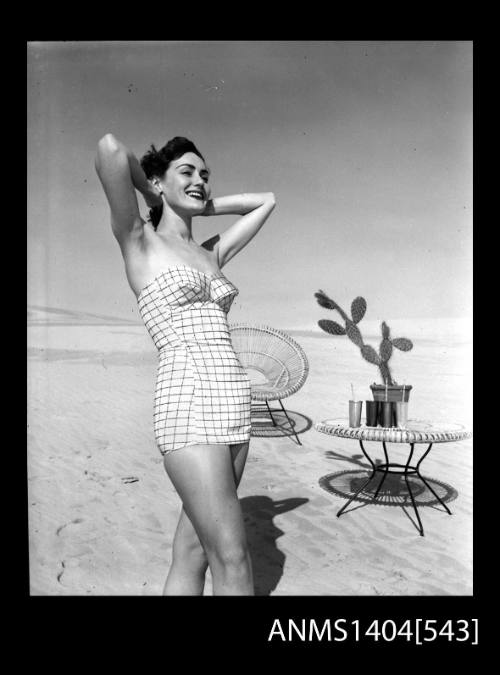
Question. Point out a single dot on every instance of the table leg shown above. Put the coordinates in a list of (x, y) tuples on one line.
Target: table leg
[(426, 483), (405, 473), (351, 499), (385, 472), (408, 469)]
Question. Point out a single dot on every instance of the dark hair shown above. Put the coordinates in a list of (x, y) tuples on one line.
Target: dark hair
[(155, 163)]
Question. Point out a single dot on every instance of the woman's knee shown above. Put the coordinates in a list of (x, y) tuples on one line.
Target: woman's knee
[(229, 553), (188, 548)]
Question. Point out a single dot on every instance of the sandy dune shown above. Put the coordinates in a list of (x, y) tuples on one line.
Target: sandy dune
[(102, 511)]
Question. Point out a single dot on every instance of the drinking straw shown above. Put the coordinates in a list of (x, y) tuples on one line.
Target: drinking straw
[(403, 393), (386, 392), (352, 390)]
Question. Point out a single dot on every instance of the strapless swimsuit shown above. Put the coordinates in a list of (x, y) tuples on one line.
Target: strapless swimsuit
[(202, 391)]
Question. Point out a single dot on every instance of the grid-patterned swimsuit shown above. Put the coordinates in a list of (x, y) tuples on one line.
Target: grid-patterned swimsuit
[(202, 390)]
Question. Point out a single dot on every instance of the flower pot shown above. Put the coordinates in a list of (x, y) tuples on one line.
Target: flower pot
[(394, 392)]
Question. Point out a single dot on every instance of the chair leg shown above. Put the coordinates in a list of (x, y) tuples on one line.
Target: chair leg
[(290, 422), (269, 410)]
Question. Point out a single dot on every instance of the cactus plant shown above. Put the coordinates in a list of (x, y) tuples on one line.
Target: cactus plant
[(358, 309)]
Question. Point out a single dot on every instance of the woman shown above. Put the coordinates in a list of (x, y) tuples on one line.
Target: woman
[(202, 401)]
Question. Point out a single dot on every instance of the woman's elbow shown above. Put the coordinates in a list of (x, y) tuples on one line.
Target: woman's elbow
[(108, 148), (107, 143), (108, 140), (109, 154), (271, 199)]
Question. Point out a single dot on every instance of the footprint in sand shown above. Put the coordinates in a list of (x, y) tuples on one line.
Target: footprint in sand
[(76, 521), (63, 566), (97, 478)]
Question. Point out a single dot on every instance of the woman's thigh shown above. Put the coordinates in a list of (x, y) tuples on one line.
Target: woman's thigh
[(206, 480)]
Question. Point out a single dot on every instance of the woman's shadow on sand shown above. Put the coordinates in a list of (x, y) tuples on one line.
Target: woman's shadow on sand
[(267, 560)]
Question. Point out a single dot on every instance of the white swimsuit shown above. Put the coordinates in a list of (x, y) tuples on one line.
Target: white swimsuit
[(202, 391)]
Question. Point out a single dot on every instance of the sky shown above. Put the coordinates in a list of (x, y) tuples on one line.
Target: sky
[(367, 147)]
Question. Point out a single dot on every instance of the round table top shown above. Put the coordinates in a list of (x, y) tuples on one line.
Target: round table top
[(416, 431)]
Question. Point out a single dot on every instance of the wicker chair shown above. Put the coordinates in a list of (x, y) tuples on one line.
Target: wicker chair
[(276, 364)]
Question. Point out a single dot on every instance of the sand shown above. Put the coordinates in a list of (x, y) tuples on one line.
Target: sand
[(102, 511)]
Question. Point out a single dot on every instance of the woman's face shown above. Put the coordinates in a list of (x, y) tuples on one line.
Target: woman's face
[(185, 184)]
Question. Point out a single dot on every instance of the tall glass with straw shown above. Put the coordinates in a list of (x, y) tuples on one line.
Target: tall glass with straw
[(402, 412), (355, 407), (387, 410)]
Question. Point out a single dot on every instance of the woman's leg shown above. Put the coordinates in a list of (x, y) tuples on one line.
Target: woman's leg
[(189, 561), (186, 575), (206, 478)]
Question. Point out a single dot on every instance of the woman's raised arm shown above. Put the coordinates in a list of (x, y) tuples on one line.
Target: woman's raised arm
[(121, 174), (255, 209)]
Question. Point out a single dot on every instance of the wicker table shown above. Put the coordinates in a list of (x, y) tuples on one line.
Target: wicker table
[(415, 432)]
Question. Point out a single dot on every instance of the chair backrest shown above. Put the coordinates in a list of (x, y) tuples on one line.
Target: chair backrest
[(276, 364)]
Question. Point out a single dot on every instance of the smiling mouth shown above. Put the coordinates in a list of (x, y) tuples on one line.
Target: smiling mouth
[(196, 194)]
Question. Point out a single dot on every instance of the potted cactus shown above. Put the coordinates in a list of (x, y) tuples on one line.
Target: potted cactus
[(389, 390)]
